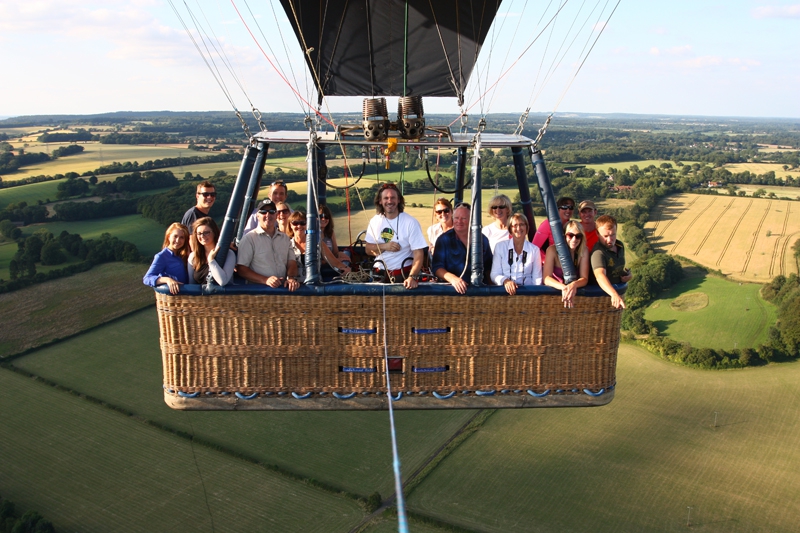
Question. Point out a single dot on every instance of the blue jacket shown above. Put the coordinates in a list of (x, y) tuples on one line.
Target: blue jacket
[(166, 264)]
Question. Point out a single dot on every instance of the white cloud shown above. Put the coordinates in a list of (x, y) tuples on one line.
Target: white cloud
[(655, 51), (763, 12), (701, 62)]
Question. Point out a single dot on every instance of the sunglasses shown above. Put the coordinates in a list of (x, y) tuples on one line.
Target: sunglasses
[(573, 236), (442, 211), (567, 207), (278, 182), (203, 233), (208, 194), (283, 211), (299, 223), (323, 216), (498, 207), (267, 212)]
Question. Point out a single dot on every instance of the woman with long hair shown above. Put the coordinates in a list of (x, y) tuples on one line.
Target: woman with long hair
[(443, 211), (328, 235), (500, 210), (204, 239), (553, 272), (169, 265), (516, 261), (297, 227), (283, 212)]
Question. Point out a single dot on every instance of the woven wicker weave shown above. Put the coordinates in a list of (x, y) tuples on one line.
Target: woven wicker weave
[(284, 343)]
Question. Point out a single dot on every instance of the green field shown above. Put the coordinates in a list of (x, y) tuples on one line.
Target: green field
[(145, 233), (634, 465), (736, 315), (637, 464), (121, 364), (87, 468), (29, 193)]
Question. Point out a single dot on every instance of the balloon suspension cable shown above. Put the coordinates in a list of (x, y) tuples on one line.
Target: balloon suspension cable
[(402, 520), (277, 70), (543, 130), (257, 116), (522, 119)]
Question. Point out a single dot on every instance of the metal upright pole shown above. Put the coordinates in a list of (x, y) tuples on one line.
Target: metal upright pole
[(476, 237), (461, 165), (252, 189), (564, 255), (251, 154), (312, 217), (524, 190), (322, 172)]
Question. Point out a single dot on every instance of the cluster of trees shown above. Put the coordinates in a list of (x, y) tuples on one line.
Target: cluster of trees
[(24, 213), (138, 138), (72, 186), (29, 522), (11, 163), (128, 166), (784, 292), (73, 211), (67, 137), (137, 182), (684, 353), (43, 247), (70, 149)]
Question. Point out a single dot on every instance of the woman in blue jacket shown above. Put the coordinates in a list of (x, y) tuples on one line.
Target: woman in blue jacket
[(169, 265)]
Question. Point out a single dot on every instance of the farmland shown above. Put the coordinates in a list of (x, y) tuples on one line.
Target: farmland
[(748, 239), (734, 316), (654, 451)]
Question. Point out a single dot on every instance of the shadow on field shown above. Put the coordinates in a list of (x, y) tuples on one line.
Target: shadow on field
[(662, 325)]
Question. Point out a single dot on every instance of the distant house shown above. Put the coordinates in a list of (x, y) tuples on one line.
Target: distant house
[(622, 188), (714, 184)]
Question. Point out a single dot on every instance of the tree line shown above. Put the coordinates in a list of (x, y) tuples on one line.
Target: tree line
[(29, 522)]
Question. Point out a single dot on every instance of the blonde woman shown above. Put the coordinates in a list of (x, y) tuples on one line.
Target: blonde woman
[(169, 265), (282, 212), (553, 271), (500, 211)]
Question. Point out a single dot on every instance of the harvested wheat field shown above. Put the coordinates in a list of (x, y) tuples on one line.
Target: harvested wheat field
[(749, 239)]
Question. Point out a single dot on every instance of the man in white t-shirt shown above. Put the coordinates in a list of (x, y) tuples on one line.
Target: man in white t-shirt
[(395, 238)]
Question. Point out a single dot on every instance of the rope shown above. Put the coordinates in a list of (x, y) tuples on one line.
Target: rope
[(402, 520), (202, 482), (295, 91)]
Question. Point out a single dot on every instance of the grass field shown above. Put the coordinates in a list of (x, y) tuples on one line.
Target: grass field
[(121, 364), (60, 308), (728, 233), (641, 164), (634, 465), (637, 464), (762, 168), (145, 233), (87, 468), (780, 192), (736, 316)]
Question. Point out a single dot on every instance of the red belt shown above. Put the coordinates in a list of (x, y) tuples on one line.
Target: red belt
[(394, 273)]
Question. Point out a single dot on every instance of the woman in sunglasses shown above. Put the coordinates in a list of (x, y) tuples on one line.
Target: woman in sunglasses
[(329, 236), (205, 234), (297, 227), (544, 237), (499, 210), (443, 211), (553, 272)]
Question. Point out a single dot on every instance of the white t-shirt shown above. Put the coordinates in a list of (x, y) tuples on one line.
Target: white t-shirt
[(527, 272), (405, 230), (495, 235), (433, 233)]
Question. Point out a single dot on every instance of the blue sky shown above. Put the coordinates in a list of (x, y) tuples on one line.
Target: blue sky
[(733, 58)]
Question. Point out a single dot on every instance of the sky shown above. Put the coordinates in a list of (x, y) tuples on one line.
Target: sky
[(732, 58)]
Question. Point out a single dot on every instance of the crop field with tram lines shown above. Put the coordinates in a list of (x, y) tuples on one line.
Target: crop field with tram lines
[(635, 464), (748, 239)]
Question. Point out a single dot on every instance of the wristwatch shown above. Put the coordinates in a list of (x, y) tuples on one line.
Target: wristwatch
[(415, 277)]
